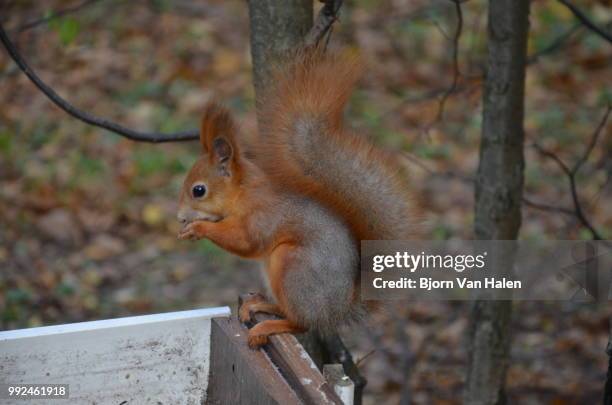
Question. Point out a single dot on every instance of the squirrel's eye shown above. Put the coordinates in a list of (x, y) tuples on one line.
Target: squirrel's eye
[(198, 191)]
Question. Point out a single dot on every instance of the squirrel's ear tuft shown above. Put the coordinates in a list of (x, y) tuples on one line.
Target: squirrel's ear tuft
[(217, 136), (222, 155)]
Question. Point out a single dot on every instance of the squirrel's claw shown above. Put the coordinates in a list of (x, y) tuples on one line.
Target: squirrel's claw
[(188, 232), (257, 340)]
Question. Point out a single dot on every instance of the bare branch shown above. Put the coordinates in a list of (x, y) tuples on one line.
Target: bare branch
[(553, 157), (324, 22), (454, 175), (571, 173), (577, 210), (84, 116), (441, 30), (593, 141), (595, 198), (560, 41), (580, 213), (586, 21), (456, 71), (57, 14), (546, 207), (449, 174), (364, 357), (555, 44)]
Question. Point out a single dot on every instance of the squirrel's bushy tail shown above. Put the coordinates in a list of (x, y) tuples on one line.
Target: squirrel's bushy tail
[(304, 147)]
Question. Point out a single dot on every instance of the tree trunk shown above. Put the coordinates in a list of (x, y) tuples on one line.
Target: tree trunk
[(499, 184), (276, 26)]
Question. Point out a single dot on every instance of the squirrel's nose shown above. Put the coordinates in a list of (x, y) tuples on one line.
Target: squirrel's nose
[(182, 218)]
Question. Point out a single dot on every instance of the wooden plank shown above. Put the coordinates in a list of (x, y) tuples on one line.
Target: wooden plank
[(241, 376), (299, 370), (149, 359), (297, 367)]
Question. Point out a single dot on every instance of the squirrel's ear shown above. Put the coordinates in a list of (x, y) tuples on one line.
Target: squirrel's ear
[(217, 136), (222, 155)]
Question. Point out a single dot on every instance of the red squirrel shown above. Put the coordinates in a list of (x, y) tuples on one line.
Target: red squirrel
[(299, 196)]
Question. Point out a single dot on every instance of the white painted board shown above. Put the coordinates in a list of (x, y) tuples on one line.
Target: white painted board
[(150, 359)]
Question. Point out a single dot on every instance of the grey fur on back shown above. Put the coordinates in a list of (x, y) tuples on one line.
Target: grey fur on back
[(365, 177)]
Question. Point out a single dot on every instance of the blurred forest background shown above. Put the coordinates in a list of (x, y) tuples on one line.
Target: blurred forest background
[(87, 218)]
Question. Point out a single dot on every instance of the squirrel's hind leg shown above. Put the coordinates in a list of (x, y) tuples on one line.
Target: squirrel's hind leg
[(281, 259), (258, 334)]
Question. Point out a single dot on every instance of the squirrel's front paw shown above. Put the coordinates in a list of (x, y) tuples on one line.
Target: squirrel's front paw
[(190, 232), (256, 340)]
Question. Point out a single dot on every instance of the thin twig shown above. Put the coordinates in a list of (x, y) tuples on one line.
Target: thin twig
[(593, 141), (56, 14), (556, 44), (547, 207), (364, 357), (553, 157), (84, 116), (324, 22), (437, 24), (573, 171), (456, 71), (586, 21), (603, 186), (455, 175)]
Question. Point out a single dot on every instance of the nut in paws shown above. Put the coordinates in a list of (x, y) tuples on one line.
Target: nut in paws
[(188, 232)]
